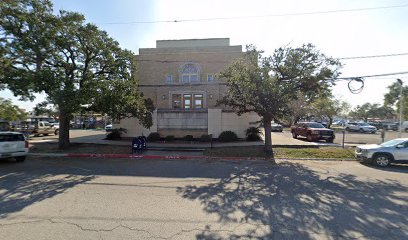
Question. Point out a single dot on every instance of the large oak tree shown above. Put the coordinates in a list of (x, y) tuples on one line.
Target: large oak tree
[(74, 63), (266, 85)]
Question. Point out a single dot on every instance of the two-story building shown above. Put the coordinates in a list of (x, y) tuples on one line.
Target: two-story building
[(180, 76)]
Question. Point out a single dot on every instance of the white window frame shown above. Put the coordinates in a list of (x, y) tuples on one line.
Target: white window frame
[(192, 93), (189, 75)]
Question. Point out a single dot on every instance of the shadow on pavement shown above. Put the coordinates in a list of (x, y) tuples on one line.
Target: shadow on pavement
[(288, 201), (22, 186), (293, 202)]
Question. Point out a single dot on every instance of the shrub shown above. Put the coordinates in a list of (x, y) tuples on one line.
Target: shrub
[(153, 137), (205, 138), (170, 138), (253, 134), (189, 138), (115, 134), (227, 136)]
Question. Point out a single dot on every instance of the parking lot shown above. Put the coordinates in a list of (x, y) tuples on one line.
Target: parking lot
[(350, 138), (283, 138)]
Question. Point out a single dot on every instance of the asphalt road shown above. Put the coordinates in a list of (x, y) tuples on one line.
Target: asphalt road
[(46, 198)]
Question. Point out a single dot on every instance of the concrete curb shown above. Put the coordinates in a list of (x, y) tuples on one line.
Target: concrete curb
[(85, 155)]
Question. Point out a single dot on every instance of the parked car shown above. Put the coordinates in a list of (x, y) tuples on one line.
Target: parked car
[(382, 155), (390, 126), (13, 145), (37, 128), (313, 131), (276, 127), (108, 128), (360, 127)]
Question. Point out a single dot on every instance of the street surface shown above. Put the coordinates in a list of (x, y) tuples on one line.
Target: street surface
[(58, 198)]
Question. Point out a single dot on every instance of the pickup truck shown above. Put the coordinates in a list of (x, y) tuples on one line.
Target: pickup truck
[(312, 131), (13, 145), (37, 128)]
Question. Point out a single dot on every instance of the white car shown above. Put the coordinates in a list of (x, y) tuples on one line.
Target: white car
[(382, 155), (360, 127), (108, 128), (13, 145)]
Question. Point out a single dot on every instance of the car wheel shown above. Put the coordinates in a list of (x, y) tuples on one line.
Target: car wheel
[(294, 135), (45, 134), (382, 160), (20, 159), (347, 129), (330, 140), (56, 132), (309, 138), (361, 130)]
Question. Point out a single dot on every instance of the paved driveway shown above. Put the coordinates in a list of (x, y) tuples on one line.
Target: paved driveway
[(141, 199)]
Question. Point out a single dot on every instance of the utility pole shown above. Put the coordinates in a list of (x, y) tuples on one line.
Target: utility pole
[(400, 113)]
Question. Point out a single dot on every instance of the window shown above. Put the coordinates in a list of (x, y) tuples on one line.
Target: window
[(176, 101), (190, 73), (169, 78), (187, 101), (210, 77), (198, 101)]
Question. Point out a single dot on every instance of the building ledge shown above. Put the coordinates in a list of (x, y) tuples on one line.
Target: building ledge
[(165, 110)]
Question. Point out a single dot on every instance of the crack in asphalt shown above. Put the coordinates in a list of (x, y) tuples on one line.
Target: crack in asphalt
[(275, 230)]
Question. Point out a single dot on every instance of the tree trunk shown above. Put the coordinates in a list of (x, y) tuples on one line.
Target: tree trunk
[(330, 122), (63, 138), (268, 139)]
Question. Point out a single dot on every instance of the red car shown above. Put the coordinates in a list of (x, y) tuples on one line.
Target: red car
[(313, 131)]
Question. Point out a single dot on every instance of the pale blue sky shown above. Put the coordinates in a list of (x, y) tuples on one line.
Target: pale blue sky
[(344, 34)]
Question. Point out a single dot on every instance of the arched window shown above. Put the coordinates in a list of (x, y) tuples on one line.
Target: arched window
[(189, 73)]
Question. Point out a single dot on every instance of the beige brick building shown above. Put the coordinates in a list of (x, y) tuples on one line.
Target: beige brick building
[(180, 76)]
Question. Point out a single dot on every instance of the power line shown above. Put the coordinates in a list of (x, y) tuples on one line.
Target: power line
[(375, 75), (258, 16), (374, 56)]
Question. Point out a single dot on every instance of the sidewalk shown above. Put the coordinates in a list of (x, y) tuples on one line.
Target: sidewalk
[(97, 137)]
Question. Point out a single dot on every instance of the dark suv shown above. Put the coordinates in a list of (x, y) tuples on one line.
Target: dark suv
[(313, 132)]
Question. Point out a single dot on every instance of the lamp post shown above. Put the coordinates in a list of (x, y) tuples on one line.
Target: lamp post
[(400, 113)]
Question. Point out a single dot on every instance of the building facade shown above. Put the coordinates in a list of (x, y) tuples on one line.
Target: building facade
[(180, 76)]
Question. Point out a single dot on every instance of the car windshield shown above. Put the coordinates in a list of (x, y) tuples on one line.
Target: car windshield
[(364, 124), (315, 125), (393, 142)]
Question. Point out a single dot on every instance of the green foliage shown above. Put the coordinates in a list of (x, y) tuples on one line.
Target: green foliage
[(73, 62), (392, 98), (205, 138), (116, 134), (266, 85), (153, 137), (10, 112), (188, 138), (253, 134), (227, 136), (368, 110), (43, 108), (328, 107), (169, 138)]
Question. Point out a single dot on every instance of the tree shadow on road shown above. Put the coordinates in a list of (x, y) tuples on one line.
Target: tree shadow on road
[(22, 188), (291, 201)]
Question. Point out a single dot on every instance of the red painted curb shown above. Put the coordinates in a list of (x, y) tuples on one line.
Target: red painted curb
[(81, 155)]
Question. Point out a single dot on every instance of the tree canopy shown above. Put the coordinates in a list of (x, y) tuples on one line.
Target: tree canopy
[(266, 85), (368, 110), (10, 112), (74, 63)]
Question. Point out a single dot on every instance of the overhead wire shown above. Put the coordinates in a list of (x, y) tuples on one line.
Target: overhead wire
[(257, 16)]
